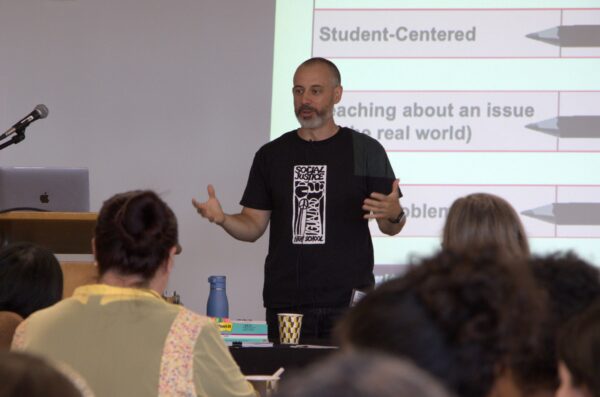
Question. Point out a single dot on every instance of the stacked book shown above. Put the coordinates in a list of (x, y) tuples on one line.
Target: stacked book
[(243, 331)]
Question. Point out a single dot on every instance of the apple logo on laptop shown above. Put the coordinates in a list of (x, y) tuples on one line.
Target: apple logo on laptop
[(44, 198)]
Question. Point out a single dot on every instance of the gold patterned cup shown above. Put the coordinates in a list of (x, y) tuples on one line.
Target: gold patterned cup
[(289, 328)]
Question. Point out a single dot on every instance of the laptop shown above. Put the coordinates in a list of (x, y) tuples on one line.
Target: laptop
[(44, 189)]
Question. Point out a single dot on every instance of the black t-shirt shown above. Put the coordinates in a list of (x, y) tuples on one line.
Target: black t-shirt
[(319, 244)]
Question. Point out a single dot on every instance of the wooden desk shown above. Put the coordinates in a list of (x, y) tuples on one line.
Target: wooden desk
[(61, 232)]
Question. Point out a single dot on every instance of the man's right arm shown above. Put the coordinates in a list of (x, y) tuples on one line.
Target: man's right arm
[(248, 225)]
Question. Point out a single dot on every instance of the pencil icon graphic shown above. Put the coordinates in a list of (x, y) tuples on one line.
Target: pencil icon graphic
[(569, 126), (569, 36), (567, 213)]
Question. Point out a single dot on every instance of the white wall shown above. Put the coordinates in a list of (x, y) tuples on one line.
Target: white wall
[(163, 94)]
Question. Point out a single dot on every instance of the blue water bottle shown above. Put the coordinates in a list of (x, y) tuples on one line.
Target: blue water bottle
[(217, 305)]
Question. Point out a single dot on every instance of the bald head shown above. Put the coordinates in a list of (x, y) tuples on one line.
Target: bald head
[(336, 78)]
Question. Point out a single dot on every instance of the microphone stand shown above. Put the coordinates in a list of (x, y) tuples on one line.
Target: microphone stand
[(20, 135)]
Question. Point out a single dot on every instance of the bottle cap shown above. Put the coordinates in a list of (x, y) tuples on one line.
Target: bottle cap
[(217, 281)]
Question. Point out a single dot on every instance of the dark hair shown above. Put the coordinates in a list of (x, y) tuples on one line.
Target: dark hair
[(27, 375), (30, 278), (579, 348), (335, 72), (571, 285), (362, 374), (480, 220), (458, 316), (134, 234)]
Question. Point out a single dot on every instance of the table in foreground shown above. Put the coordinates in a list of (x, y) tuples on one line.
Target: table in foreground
[(267, 360)]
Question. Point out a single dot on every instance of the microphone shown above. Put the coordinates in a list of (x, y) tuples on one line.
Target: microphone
[(40, 112)]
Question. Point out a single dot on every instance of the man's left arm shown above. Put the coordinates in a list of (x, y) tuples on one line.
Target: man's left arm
[(386, 209)]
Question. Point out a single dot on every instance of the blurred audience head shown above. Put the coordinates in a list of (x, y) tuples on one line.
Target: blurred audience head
[(30, 278), (481, 220), (459, 316), (362, 374), (9, 321), (27, 375), (135, 234), (571, 285), (579, 355)]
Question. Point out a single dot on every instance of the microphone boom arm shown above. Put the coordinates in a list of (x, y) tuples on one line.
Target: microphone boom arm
[(18, 137)]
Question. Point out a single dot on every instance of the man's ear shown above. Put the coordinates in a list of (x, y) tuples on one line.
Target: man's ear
[(337, 93)]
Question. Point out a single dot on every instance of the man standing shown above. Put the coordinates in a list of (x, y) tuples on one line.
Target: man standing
[(318, 186)]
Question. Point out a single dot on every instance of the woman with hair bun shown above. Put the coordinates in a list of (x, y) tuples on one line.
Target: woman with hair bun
[(120, 335)]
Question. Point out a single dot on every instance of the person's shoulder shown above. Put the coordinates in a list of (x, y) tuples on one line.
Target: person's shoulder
[(284, 139), (191, 320), (58, 309), (46, 318), (274, 148)]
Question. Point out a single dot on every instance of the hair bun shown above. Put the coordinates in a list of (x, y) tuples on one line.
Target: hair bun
[(134, 233), (141, 220)]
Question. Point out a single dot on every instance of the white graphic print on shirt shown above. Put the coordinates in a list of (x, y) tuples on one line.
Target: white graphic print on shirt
[(309, 204)]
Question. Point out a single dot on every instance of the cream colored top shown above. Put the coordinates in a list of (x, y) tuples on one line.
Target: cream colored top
[(130, 342)]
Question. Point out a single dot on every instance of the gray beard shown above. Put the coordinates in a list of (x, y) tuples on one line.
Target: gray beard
[(315, 122)]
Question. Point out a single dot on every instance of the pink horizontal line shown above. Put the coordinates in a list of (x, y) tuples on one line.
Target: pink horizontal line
[(455, 9), (457, 57), (529, 236), (492, 185), (490, 151), (406, 235), (473, 91), (567, 237)]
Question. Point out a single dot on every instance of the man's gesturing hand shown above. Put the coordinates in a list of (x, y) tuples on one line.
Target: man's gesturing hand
[(381, 206), (211, 208)]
